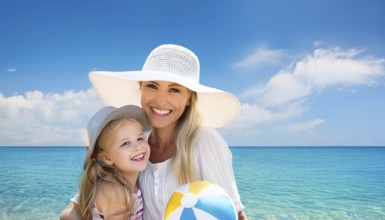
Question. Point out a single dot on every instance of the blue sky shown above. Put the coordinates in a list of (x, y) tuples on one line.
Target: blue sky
[(307, 73)]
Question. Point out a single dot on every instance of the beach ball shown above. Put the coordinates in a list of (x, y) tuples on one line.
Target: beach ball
[(200, 200)]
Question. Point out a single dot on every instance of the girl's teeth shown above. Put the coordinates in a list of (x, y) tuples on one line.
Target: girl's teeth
[(140, 156)]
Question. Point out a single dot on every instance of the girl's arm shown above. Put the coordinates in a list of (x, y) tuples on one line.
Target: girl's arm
[(70, 213)]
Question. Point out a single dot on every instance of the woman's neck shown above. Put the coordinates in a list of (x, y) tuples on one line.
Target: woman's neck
[(162, 142)]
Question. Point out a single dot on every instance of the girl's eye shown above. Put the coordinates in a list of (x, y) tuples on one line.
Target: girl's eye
[(141, 138), (126, 144)]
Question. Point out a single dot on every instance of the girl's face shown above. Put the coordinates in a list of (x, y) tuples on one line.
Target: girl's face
[(164, 102), (129, 150)]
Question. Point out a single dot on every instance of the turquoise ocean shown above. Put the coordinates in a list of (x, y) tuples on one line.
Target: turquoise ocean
[(274, 182)]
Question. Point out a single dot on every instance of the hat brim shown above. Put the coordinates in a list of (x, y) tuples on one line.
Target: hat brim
[(215, 106)]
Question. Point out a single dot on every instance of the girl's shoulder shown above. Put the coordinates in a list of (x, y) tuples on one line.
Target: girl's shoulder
[(110, 198), (108, 192)]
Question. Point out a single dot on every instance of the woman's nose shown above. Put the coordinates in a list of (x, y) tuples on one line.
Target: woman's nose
[(161, 98)]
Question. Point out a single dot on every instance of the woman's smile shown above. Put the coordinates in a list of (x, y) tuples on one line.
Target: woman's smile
[(161, 112), (164, 102)]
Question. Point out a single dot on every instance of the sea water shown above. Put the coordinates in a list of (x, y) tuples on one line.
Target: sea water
[(273, 182)]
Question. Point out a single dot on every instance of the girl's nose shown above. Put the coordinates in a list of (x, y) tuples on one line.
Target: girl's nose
[(138, 145)]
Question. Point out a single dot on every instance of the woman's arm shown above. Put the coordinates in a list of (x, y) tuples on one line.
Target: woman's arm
[(242, 215), (215, 164)]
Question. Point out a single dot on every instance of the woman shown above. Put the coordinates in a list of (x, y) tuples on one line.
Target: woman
[(183, 113)]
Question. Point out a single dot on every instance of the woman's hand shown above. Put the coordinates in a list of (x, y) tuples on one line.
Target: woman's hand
[(242, 215)]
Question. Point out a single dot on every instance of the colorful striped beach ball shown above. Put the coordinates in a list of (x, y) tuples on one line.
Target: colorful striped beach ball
[(200, 200)]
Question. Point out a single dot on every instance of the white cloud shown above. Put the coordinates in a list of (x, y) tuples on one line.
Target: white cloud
[(46, 119), (11, 70), (261, 56), (281, 89), (306, 125), (323, 68), (286, 94), (329, 67), (252, 115), (317, 43)]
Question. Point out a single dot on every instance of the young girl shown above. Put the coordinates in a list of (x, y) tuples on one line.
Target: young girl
[(118, 151)]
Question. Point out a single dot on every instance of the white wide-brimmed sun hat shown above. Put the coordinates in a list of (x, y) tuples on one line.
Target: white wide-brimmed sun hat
[(171, 63)]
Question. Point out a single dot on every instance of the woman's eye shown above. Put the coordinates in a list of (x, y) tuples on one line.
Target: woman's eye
[(151, 86), (174, 90)]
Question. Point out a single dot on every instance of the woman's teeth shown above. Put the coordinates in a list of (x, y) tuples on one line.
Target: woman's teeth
[(161, 112)]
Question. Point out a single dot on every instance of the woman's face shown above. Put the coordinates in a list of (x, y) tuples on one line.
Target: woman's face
[(164, 102)]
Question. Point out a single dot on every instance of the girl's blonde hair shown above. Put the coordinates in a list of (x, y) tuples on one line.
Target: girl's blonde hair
[(183, 161), (96, 171)]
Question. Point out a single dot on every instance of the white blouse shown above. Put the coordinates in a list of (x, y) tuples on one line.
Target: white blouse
[(213, 162)]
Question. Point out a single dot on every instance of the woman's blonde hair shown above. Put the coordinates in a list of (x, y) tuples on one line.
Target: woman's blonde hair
[(183, 161), (96, 171)]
